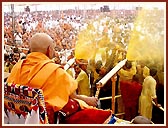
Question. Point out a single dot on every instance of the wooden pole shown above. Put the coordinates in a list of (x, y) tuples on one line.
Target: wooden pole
[(113, 79)]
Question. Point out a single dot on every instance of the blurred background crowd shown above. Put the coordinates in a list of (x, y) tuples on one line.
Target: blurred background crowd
[(97, 37)]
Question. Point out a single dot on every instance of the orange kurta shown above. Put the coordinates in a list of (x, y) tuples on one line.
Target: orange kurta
[(56, 84)]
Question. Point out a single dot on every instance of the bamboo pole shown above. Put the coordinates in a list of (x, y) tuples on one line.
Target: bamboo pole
[(109, 97), (104, 80), (113, 79)]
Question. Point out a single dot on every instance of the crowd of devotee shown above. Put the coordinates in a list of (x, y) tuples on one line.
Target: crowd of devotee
[(111, 36)]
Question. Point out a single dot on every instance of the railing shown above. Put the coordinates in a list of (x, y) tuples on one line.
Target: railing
[(103, 81), (112, 75)]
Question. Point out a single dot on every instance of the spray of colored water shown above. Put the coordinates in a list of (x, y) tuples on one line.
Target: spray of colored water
[(147, 38), (93, 40), (145, 42)]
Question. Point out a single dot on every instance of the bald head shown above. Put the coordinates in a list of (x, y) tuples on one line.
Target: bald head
[(41, 42)]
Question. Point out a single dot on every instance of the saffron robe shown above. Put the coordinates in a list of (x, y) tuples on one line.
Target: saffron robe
[(38, 71)]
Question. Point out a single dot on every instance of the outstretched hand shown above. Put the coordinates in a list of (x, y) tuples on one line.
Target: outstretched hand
[(92, 101)]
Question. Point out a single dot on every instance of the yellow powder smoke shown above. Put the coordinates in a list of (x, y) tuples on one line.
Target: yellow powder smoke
[(90, 40), (147, 38), (86, 46)]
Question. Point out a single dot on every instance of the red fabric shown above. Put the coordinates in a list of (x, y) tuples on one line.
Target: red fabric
[(50, 114), (88, 116), (130, 92), (130, 112), (74, 115), (71, 107)]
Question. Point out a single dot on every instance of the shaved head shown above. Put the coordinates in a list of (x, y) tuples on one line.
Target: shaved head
[(41, 42)]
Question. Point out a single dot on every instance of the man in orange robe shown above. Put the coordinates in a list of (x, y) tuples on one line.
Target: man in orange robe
[(39, 71)]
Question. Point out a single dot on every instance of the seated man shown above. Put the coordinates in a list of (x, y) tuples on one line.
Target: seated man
[(39, 71)]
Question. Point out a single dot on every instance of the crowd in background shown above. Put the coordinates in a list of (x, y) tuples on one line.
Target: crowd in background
[(64, 29)]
